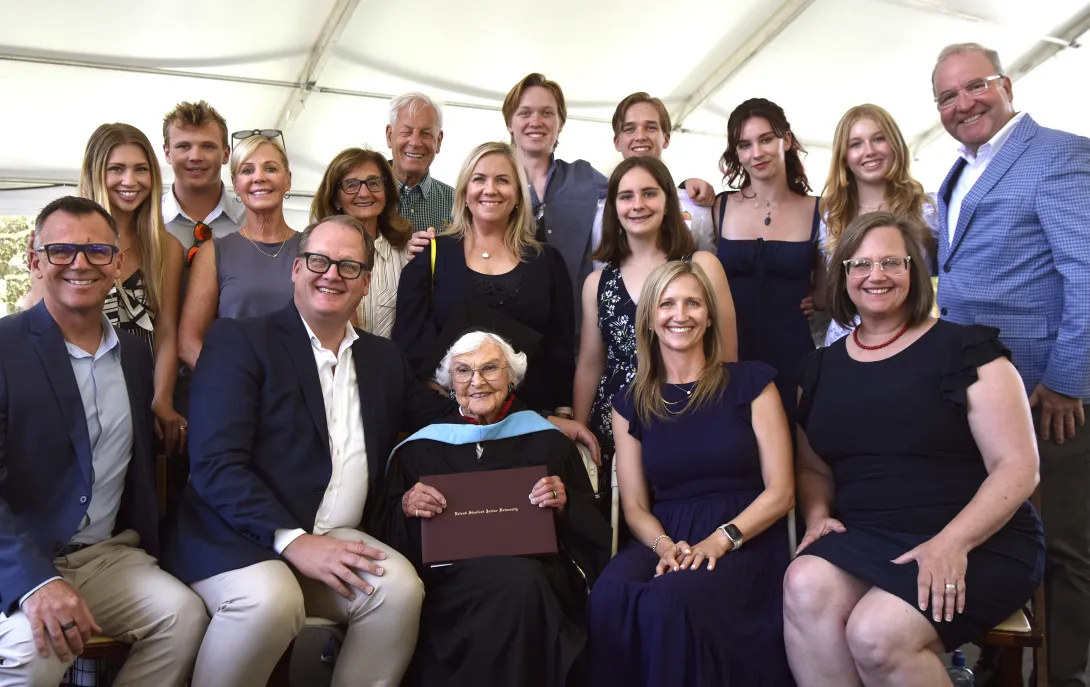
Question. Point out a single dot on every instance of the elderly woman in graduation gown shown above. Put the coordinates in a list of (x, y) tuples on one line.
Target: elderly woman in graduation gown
[(496, 620)]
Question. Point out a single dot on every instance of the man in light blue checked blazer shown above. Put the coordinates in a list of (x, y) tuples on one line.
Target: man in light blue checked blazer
[(1014, 253)]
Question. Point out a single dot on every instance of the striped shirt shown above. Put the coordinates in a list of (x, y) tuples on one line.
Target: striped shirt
[(377, 309), (428, 204)]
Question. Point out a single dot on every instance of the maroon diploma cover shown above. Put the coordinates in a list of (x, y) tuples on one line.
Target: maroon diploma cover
[(488, 514)]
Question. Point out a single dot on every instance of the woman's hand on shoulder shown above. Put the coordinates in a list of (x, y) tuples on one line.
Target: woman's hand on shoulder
[(549, 492), (818, 530), (422, 501), (419, 242)]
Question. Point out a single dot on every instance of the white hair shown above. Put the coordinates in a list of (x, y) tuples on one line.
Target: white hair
[(471, 342), (415, 101)]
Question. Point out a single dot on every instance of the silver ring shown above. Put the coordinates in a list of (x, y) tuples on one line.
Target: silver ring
[(950, 585), (554, 494), (184, 428), (701, 553), (418, 512)]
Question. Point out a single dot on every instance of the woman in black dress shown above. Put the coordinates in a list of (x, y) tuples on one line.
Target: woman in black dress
[(489, 255), (916, 460)]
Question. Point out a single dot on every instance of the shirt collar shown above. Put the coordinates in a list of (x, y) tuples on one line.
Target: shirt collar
[(108, 343), (350, 337), (426, 185), (988, 150), (172, 209)]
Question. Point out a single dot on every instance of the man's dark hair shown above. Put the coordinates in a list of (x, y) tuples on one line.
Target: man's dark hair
[(75, 206)]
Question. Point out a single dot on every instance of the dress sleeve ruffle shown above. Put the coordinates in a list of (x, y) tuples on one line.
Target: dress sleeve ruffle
[(623, 404), (747, 380), (970, 347), (808, 381)]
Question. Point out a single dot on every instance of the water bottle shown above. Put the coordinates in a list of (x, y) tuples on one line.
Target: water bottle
[(960, 676)]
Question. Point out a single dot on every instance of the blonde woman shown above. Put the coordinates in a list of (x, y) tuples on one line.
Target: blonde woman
[(247, 273), (488, 255), (361, 184), (869, 172), (705, 471), (121, 173)]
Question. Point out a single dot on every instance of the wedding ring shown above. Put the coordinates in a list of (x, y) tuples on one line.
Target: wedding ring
[(950, 585), (184, 428), (418, 512), (68, 626), (554, 493)]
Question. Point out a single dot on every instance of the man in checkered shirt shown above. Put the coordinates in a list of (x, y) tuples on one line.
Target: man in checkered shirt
[(415, 135), (1014, 253)]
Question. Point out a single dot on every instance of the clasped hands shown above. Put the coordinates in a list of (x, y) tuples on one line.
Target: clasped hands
[(681, 556), (423, 501)]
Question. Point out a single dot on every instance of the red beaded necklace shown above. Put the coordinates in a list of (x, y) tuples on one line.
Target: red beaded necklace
[(855, 337)]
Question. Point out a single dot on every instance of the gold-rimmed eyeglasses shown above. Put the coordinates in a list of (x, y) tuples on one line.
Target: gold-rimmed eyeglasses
[(862, 267)]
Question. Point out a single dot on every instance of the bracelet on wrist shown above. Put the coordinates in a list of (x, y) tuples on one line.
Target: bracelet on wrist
[(655, 544)]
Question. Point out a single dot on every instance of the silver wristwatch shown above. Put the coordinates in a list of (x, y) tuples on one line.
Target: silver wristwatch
[(734, 534)]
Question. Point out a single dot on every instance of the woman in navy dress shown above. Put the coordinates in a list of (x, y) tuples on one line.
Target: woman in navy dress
[(915, 465), (768, 231), (704, 463), (642, 228)]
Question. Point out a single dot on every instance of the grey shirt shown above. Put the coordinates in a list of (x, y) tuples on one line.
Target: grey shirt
[(252, 282)]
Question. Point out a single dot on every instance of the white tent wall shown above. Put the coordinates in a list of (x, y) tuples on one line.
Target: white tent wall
[(816, 58)]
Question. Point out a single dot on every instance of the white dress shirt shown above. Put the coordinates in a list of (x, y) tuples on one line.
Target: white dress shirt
[(346, 494), (974, 169)]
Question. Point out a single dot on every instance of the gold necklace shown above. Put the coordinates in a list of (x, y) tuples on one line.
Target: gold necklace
[(278, 250)]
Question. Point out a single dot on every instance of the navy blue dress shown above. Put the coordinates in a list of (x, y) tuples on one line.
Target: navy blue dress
[(768, 280), (617, 326), (723, 627), (896, 436)]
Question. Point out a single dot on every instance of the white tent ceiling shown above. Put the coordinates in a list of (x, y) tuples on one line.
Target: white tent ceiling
[(324, 69)]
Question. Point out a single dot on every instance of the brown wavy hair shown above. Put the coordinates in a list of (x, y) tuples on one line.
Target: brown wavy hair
[(646, 388), (675, 239), (734, 173), (840, 197), (149, 232), (514, 96), (393, 227)]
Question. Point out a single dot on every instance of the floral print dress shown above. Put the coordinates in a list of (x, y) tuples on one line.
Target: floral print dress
[(617, 324)]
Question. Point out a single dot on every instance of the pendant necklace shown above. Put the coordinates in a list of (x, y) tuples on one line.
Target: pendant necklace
[(278, 250)]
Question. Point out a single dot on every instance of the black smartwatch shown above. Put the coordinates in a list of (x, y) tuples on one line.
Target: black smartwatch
[(733, 534)]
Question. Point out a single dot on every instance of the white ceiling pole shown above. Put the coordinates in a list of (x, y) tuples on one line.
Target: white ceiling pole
[(788, 11), (331, 32), (1066, 36)]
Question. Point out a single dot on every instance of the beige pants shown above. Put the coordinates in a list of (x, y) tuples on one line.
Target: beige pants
[(132, 600), (258, 610)]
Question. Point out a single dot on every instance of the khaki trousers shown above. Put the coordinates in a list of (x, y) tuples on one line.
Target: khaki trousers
[(133, 601), (257, 611)]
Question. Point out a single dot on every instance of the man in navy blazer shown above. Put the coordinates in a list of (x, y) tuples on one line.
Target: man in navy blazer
[(1014, 253), (292, 417), (78, 514)]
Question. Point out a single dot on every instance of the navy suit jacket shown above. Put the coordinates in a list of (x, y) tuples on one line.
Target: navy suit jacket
[(45, 451), (258, 442), (1020, 258)]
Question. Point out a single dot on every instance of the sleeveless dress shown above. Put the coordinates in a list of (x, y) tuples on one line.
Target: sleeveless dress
[(126, 307), (617, 325), (723, 627), (904, 462), (251, 281), (768, 280)]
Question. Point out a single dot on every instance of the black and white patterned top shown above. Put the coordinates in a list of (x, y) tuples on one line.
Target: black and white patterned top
[(127, 308)]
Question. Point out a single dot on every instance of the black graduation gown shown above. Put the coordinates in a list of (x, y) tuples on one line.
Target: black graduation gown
[(501, 620)]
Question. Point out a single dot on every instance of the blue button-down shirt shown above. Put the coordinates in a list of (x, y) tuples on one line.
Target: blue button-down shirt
[(105, 397)]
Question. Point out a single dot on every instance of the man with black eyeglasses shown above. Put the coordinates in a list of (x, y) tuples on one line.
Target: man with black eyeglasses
[(292, 416), (78, 515)]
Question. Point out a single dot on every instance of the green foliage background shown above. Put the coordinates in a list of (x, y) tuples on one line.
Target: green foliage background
[(14, 234)]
